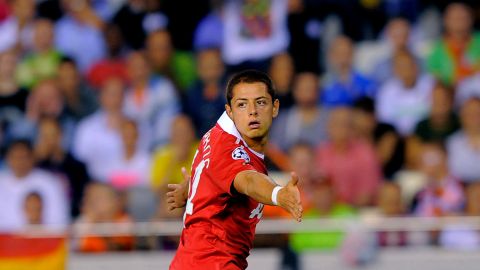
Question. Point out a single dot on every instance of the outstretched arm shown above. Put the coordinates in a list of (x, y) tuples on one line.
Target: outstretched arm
[(261, 188)]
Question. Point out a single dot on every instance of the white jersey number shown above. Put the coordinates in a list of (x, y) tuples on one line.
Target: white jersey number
[(193, 187), (257, 212)]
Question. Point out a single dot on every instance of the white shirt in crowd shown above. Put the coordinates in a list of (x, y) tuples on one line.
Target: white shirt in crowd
[(97, 145), (463, 158), (467, 88), (133, 172), (13, 192), (155, 115), (404, 108)]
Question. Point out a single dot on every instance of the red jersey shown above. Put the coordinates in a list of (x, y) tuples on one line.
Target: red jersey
[(219, 225)]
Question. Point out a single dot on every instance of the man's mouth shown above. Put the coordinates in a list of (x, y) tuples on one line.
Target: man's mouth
[(254, 124)]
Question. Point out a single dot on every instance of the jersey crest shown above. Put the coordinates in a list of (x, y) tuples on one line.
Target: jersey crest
[(240, 153)]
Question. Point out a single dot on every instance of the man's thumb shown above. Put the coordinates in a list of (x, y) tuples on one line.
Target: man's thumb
[(294, 179)]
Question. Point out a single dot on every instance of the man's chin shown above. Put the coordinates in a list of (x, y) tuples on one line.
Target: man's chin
[(256, 134)]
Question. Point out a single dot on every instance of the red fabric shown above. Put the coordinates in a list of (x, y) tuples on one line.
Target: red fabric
[(105, 69), (4, 10), (219, 232), (12, 246)]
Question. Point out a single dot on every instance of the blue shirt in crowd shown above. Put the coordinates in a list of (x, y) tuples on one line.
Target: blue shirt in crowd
[(338, 93)]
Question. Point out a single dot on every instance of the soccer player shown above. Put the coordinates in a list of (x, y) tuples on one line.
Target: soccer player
[(229, 185)]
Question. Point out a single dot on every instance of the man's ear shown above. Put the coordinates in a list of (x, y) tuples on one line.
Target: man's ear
[(276, 107), (228, 109)]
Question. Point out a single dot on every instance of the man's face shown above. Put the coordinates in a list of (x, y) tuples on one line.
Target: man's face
[(20, 160), (49, 134), (252, 110), (457, 19)]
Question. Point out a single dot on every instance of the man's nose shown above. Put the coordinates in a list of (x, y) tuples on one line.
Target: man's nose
[(252, 110)]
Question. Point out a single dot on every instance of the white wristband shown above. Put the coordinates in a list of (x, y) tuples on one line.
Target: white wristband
[(275, 193)]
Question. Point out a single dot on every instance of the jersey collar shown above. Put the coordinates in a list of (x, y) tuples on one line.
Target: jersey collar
[(228, 126)]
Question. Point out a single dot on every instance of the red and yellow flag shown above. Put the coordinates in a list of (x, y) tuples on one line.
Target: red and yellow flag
[(24, 253)]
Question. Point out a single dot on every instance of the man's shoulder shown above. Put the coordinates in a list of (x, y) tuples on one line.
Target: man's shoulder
[(222, 145), (217, 135)]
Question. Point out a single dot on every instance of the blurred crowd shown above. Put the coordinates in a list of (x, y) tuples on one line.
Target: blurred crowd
[(102, 102)]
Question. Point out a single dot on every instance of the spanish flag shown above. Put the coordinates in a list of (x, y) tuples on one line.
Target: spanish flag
[(24, 253)]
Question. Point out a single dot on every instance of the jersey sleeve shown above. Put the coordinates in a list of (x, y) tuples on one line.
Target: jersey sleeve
[(228, 159)]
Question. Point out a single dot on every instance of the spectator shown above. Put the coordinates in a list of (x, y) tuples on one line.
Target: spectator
[(398, 37), (205, 101), (253, 32), (113, 65), (302, 162), (324, 206), (305, 120), (209, 31), (389, 145), (33, 209), (463, 236), (80, 100), (42, 61), (442, 120), (79, 29), (457, 54), (132, 167), (44, 101), (97, 139), (405, 99), (464, 145), (159, 50), (178, 66), (301, 159), (102, 205), (389, 200), (170, 158), (51, 156), (439, 124), (348, 162), (282, 72), (16, 30), (13, 99), (443, 194), (390, 204), (467, 88), (343, 85), (21, 178), (151, 101)]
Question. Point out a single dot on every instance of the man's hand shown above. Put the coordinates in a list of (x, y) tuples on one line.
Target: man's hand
[(289, 198), (178, 194)]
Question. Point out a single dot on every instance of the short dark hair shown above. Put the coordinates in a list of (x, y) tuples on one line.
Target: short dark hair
[(25, 143), (365, 104), (249, 76), (68, 60)]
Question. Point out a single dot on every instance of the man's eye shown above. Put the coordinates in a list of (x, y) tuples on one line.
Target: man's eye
[(242, 105), (261, 102)]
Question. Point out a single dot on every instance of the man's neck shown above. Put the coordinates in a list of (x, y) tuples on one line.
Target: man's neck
[(459, 38), (21, 175), (256, 144)]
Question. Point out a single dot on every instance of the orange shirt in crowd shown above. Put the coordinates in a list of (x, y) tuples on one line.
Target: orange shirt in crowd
[(95, 243)]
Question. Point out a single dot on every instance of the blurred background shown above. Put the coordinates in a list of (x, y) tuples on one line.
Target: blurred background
[(103, 101)]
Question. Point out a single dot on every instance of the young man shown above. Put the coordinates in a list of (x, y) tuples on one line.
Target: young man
[(229, 185)]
